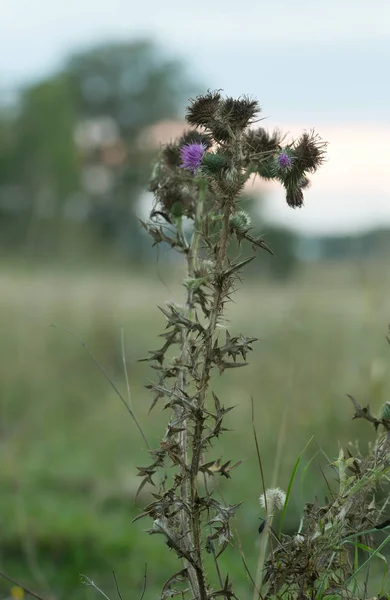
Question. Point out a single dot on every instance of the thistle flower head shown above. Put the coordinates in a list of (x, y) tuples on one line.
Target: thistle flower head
[(273, 498), (191, 156), (284, 160)]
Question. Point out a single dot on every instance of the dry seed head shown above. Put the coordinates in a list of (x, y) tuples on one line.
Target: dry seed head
[(298, 539), (275, 497), (203, 109)]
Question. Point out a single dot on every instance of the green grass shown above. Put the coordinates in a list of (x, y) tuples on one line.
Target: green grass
[(69, 449)]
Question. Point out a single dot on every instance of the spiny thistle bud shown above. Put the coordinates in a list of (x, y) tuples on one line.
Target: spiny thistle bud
[(194, 283), (203, 109), (231, 175), (309, 151), (177, 210), (172, 196), (385, 411), (193, 136), (171, 155), (238, 113), (213, 163), (294, 197), (275, 499), (191, 156), (205, 268), (240, 221), (259, 141), (231, 181), (220, 131)]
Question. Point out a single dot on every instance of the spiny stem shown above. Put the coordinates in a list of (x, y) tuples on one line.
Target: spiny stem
[(203, 384), (197, 233), (191, 530)]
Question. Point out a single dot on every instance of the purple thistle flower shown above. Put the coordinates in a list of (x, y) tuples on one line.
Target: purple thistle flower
[(191, 156), (284, 160)]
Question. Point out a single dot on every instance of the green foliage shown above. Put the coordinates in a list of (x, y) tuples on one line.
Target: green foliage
[(48, 155), (284, 244), (130, 82)]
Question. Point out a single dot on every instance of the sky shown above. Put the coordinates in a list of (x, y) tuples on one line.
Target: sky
[(310, 64)]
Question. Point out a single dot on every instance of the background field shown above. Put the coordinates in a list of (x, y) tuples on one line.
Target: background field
[(69, 450)]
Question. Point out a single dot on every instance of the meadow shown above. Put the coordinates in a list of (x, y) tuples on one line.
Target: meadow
[(69, 450)]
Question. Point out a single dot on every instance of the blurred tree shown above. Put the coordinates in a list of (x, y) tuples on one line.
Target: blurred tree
[(39, 166), (130, 82), (48, 154), (11, 198), (283, 243), (71, 152), (124, 88)]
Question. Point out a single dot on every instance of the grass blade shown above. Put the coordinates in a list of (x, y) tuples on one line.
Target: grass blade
[(290, 483)]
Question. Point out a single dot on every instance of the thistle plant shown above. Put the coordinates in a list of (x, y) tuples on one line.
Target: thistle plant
[(197, 183), (322, 559)]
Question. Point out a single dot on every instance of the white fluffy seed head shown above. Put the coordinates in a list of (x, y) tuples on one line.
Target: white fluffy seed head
[(273, 499)]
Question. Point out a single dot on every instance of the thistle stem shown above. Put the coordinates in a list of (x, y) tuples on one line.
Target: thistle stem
[(203, 386), (191, 527)]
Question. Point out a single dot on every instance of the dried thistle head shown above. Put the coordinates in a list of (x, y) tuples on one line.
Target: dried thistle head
[(238, 113), (171, 155), (309, 152), (203, 109), (223, 118), (260, 142), (294, 196), (194, 136)]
